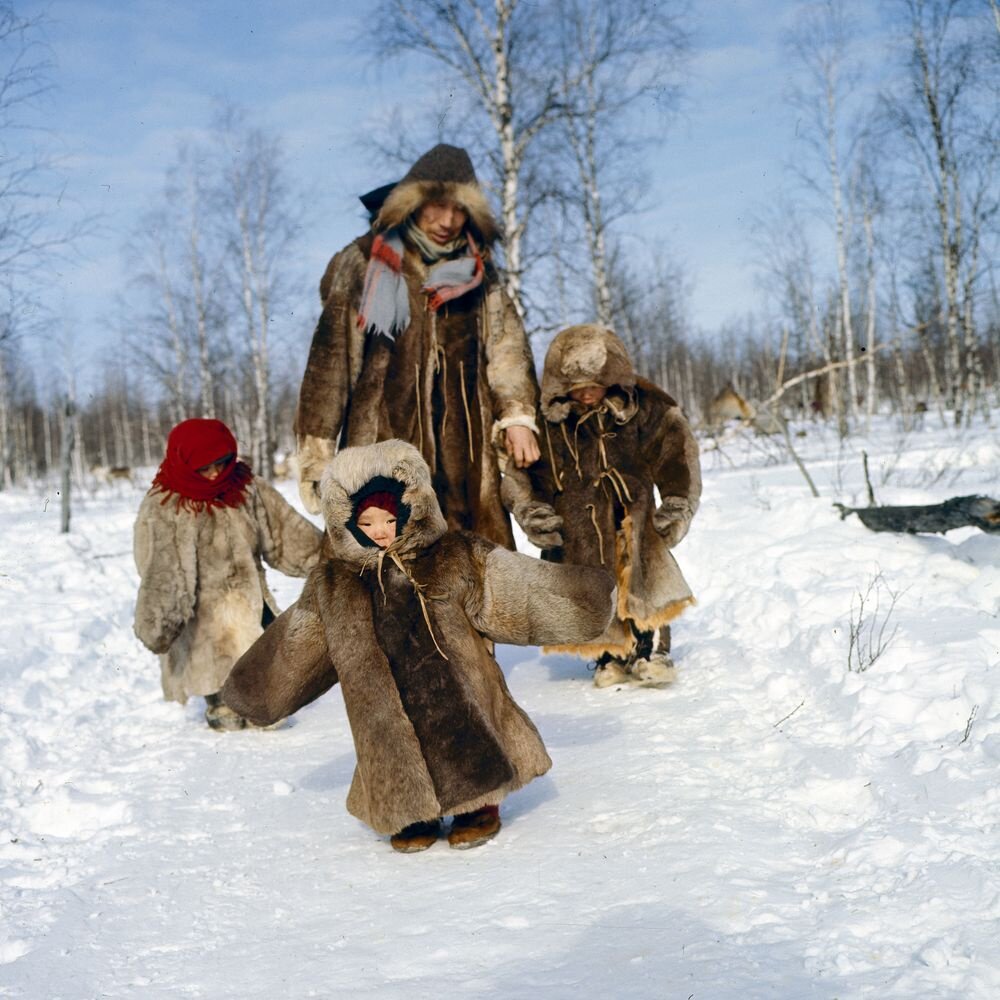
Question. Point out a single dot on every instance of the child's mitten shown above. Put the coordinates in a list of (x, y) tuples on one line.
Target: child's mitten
[(313, 455), (673, 518), (540, 522)]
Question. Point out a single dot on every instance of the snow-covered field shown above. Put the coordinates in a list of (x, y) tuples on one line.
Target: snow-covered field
[(774, 825)]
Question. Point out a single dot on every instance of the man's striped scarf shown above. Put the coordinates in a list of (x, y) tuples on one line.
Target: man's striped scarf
[(385, 304)]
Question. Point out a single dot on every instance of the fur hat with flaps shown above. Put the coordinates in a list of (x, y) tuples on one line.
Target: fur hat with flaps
[(584, 355), (442, 173), (386, 467)]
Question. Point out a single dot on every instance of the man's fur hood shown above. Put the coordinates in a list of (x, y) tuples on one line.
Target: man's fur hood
[(442, 173), (405, 633), (583, 355)]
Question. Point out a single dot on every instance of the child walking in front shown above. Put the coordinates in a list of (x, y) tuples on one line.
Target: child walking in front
[(199, 537), (608, 438), (402, 612)]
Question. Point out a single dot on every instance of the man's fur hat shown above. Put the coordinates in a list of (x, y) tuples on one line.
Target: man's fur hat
[(442, 173)]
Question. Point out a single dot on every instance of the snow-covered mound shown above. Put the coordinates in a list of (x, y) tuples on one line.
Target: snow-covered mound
[(812, 810)]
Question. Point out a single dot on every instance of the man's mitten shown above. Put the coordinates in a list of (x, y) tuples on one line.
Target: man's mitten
[(672, 519), (312, 457), (540, 523)]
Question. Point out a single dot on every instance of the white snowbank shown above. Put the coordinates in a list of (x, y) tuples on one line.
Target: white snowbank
[(774, 825)]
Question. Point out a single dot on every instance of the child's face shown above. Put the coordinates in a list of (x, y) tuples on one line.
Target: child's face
[(213, 470), (378, 524), (589, 395)]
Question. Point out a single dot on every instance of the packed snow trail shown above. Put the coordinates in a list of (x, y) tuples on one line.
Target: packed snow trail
[(773, 825)]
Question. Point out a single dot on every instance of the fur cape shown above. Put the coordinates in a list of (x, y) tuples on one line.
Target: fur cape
[(598, 472), (405, 631), (449, 384), (203, 597)]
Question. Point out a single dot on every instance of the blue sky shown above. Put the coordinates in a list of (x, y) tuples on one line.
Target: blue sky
[(134, 76)]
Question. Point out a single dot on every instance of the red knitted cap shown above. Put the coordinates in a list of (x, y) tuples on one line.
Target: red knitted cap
[(384, 501)]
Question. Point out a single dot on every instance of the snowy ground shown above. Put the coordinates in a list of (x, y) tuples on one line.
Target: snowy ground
[(774, 825)]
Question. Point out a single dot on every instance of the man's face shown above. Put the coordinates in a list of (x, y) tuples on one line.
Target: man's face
[(442, 221)]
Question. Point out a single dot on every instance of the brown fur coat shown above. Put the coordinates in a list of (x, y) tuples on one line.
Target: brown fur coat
[(202, 592), (598, 470), (435, 729), (449, 384)]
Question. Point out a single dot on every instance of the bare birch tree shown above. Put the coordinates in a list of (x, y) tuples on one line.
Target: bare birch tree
[(186, 189), (257, 220), (613, 59), (498, 51), (822, 43), (157, 327), (948, 134), (31, 231)]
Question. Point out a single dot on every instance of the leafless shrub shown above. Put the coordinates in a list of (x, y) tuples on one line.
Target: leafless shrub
[(759, 499), (871, 616)]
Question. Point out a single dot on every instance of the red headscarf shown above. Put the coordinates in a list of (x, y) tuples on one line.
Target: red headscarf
[(192, 445)]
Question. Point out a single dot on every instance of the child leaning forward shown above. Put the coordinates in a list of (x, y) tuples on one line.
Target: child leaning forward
[(402, 612), (609, 437), (199, 537)]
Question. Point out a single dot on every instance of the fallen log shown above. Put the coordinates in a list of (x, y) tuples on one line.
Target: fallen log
[(958, 512)]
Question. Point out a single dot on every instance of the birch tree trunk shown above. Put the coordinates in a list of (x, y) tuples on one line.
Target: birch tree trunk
[(581, 130), (821, 44), (66, 462), (947, 192), (840, 232), (6, 480), (196, 264), (259, 222), (870, 325)]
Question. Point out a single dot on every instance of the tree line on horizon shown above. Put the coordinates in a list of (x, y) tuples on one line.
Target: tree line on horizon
[(562, 104)]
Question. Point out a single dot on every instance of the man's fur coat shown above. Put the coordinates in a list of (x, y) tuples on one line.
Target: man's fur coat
[(598, 469), (203, 597), (449, 384), (405, 632)]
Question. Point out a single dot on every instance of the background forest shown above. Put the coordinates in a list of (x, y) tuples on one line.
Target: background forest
[(875, 268)]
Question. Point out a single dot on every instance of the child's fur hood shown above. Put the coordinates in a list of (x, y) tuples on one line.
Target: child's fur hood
[(352, 469), (587, 354)]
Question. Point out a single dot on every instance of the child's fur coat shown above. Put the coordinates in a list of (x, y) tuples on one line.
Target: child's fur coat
[(203, 594), (405, 632), (597, 471)]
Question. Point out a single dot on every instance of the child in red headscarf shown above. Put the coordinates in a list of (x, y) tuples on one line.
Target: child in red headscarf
[(200, 534)]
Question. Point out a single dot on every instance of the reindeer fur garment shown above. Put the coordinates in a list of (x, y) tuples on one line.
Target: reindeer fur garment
[(598, 470), (203, 594), (449, 384), (435, 728)]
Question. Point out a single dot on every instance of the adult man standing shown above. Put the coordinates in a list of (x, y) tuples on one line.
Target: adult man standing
[(418, 340)]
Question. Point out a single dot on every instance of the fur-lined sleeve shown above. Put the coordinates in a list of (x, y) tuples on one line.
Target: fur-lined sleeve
[(289, 542), (527, 602), (510, 368), (524, 486), (165, 549), (334, 361), (286, 668), (671, 448)]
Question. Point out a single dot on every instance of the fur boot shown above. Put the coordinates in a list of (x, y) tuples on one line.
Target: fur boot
[(416, 837), (474, 828)]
